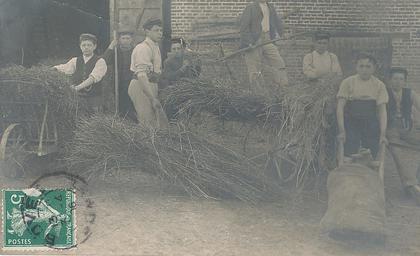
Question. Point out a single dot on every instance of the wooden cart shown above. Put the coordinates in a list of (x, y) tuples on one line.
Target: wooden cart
[(25, 119)]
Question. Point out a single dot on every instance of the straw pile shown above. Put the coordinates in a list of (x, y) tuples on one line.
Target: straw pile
[(297, 114), (307, 131), (103, 143), (38, 84), (222, 98)]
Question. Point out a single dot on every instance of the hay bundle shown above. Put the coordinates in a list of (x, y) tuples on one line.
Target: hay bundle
[(40, 82), (103, 143), (300, 114), (306, 133), (222, 98), (23, 91)]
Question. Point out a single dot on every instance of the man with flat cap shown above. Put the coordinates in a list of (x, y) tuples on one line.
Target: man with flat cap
[(403, 105), (146, 64), (124, 46), (321, 63), (260, 23), (181, 63), (87, 71)]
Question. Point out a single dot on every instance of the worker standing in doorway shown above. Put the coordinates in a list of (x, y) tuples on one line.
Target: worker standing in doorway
[(146, 64), (124, 47)]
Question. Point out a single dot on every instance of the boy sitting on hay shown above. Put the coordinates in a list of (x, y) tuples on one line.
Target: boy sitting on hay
[(87, 71), (401, 129)]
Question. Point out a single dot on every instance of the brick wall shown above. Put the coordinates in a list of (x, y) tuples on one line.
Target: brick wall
[(387, 16)]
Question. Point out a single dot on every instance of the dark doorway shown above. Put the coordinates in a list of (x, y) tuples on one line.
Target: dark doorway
[(51, 28)]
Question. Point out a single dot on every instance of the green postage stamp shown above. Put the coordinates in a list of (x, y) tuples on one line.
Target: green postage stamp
[(38, 219)]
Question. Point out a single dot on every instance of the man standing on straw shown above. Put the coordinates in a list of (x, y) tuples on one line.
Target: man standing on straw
[(259, 23), (124, 47), (146, 65), (86, 73)]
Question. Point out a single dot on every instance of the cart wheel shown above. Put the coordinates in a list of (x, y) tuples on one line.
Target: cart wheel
[(12, 152)]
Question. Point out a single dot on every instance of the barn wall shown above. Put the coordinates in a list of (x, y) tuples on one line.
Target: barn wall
[(332, 15)]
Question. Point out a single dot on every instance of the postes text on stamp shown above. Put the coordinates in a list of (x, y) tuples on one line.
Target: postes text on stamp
[(38, 219)]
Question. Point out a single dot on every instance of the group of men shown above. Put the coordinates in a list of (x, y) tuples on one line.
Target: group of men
[(140, 73), (368, 113)]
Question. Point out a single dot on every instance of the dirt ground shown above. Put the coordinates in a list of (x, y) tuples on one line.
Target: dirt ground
[(135, 214)]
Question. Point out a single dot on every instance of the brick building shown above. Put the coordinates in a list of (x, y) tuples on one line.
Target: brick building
[(396, 20)]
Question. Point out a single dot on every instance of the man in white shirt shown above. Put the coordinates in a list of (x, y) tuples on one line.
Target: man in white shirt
[(146, 64), (86, 73), (321, 63)]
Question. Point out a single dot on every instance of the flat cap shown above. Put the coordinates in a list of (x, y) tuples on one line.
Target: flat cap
[(125, 31), (320, 35), (152, 22), (399, 70), (88, 37)]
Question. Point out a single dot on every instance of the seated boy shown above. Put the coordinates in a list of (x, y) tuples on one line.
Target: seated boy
[(181, 63), (402, 103), (87, 71), (361, 109)]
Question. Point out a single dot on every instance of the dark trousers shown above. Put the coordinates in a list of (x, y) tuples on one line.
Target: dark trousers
[(125, 104), (361, 133)]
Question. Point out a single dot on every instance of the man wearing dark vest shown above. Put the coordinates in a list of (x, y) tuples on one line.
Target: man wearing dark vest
[(87, 71), (402, 101), (124, 46)]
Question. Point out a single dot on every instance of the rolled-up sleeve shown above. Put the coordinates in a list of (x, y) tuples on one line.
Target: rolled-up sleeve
[(99, 70), (344, 92), (68, 68), (141, 60)]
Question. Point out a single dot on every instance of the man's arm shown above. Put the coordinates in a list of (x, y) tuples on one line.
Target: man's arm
[(245, 31), (416, 100), (336, 67), (108, 55), (277, 20), (95, 76), (68, 68), (383, 119), (308, 68), (340, 119)]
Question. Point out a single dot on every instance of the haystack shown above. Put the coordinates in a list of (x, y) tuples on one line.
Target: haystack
[(104, 143), (223, 98), (23, 91), (301, 116)]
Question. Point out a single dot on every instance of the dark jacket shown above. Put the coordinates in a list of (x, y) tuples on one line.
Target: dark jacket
[(82, 73), (124, 63), (173, 71), (251, 28), (406, 107)]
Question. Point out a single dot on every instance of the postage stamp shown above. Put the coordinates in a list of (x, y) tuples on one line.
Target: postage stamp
[(38, 219)]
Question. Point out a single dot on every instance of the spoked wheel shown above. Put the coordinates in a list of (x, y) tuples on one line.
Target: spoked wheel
[(13, 151)]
